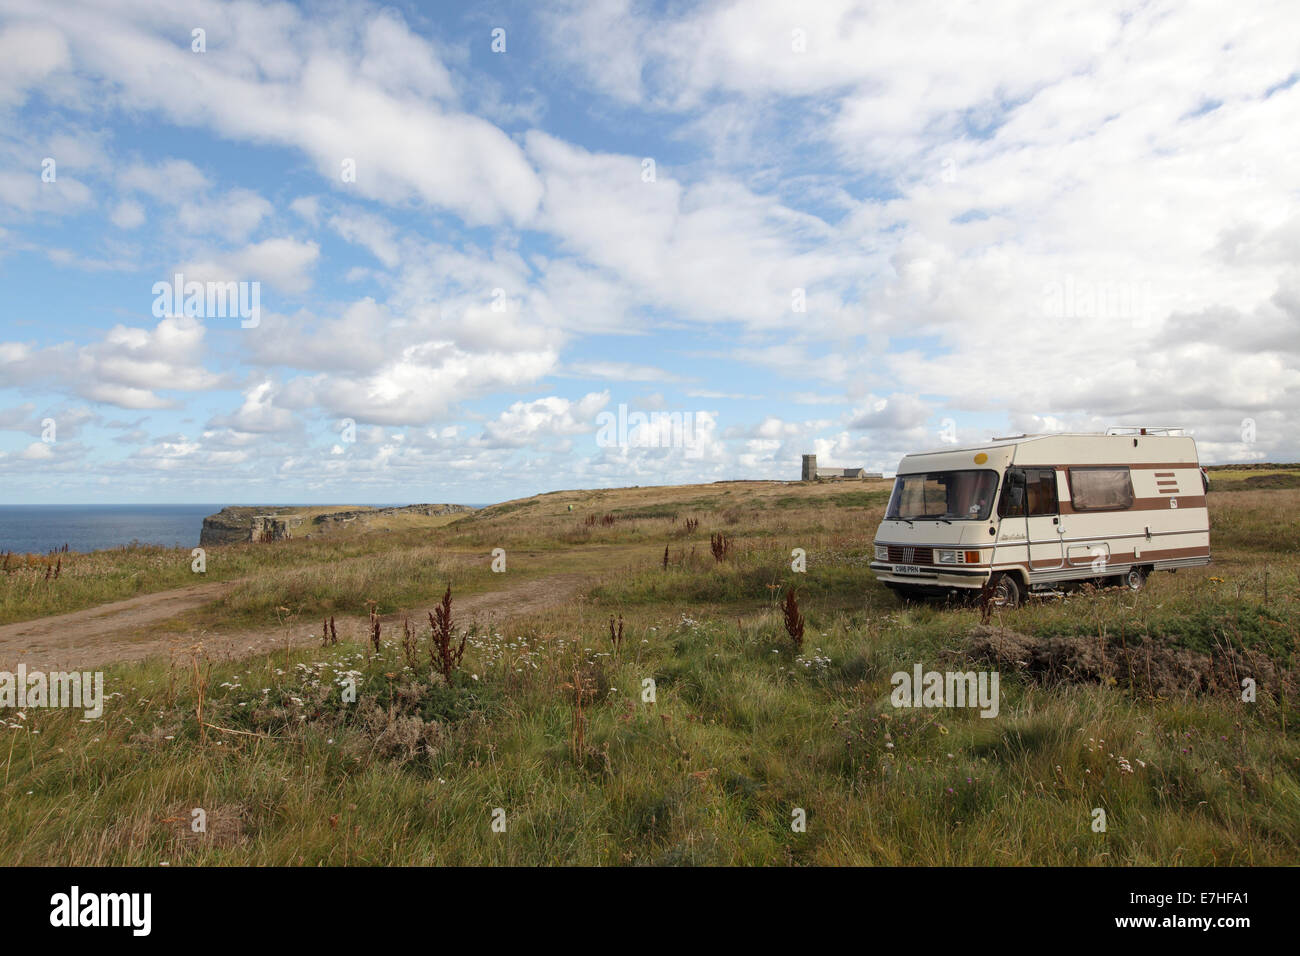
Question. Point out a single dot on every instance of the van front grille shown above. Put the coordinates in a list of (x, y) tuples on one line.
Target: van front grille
[(906, 554)]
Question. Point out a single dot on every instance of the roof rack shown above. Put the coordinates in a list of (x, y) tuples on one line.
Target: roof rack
[(1144, 430)]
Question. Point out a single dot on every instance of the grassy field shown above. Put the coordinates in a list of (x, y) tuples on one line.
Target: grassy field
[(1123, 702), (1256, 477), (30, 589)]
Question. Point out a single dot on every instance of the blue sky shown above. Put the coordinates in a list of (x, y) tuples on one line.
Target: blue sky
[(857, 230)]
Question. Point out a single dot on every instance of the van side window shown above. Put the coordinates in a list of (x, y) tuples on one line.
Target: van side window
[(1041, 486), (1101, 489), (1012, 502)]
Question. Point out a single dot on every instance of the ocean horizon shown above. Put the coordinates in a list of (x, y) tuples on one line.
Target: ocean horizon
[(39, 529)]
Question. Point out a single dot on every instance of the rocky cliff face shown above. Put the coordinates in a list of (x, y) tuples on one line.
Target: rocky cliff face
[(240, 524), (227, 526), (274, 527)]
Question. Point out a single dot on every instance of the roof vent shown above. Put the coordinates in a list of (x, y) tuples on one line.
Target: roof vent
[(1144, 430)]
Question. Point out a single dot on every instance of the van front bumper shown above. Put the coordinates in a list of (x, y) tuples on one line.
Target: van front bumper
[(930, 576)]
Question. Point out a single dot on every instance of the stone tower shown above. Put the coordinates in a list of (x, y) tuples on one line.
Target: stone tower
[(809, 467)]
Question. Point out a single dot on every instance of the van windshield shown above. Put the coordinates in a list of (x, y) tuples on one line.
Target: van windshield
[(943, 496)]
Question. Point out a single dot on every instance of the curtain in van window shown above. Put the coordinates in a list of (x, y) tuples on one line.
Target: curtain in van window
[(1100, 489), (1041, 485)]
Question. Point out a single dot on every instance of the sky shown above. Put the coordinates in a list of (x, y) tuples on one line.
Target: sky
[(479, 251)]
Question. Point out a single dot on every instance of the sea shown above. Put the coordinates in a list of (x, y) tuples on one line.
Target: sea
[(38, 529), (41, 528)]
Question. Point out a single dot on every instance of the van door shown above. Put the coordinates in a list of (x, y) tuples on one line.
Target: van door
[(1043, 519), (1012, 533)]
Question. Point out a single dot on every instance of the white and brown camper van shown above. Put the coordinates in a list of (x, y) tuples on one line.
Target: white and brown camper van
[(1033, 511)]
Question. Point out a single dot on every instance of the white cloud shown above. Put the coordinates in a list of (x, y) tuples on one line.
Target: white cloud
[(714, 251), (418, 384), (372, 232), (384, 103), (28, 54), (1066, 215), (897, 412), (234, 215), (171, 181), (127, 215), (285, 263), (258, 413), (308, 208), (544, 420), (129, 367), (620, 371)]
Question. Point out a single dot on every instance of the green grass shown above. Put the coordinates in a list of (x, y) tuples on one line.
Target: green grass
[(87, 580), (743, 732)]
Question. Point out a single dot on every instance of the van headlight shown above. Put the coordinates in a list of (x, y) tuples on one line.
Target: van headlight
[(882, 552), (949, 557)]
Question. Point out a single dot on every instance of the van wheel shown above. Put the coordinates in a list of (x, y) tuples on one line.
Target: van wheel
[(1135, 578), (1006, 591)]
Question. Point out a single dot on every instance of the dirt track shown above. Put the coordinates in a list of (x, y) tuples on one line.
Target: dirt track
[(122, 631)]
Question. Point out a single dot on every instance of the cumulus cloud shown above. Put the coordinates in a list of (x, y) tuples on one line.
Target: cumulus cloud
[(899, 213), (543, 420), (712, 250), (379, 103), (258, 413), (129, 367), (127, 215), (621, 371), (29, 52), (285, 263)]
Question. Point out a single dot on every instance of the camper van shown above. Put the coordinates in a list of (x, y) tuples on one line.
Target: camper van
[(1035, 512)]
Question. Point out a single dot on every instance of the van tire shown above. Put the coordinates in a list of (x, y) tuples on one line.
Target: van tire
[(1135, 578), (1005, 591)]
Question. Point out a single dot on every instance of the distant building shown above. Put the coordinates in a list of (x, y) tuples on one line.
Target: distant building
[(811, 472)]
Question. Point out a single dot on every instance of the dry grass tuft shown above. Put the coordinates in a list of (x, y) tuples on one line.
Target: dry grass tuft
[(793, 619), (445, 660), (720, 545)]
